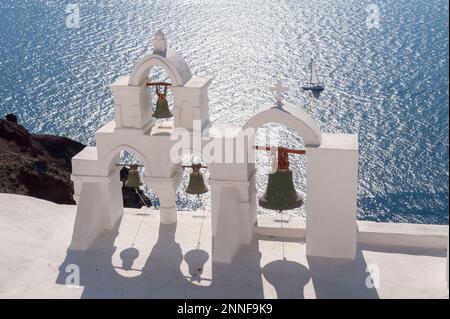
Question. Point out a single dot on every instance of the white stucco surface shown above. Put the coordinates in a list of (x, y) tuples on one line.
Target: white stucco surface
[(35, 234)]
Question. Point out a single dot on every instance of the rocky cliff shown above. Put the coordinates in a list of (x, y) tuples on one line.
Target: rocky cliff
[(40, 165)]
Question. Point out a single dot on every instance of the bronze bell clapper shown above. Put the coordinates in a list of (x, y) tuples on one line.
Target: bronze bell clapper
[(162, 105)]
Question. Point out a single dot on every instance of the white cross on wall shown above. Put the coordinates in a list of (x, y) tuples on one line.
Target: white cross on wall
[(279, 89)]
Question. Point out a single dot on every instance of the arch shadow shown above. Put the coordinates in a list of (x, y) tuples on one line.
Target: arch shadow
[(340, 278), (161, 275)]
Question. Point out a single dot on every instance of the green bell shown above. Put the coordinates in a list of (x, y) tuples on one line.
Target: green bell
[(133, 180), (280, 193), (162, 108), (196, 184)]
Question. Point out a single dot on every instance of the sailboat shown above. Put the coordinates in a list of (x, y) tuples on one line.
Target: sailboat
[(314, 83)]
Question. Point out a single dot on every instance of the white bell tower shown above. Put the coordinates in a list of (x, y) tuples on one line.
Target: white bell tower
[(331, 177)]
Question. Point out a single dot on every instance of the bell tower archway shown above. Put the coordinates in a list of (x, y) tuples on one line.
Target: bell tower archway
[(331, 187), (132, 100), (331, 166), (291, 116)]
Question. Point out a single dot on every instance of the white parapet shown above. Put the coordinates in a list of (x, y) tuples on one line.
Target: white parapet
[(332, 178)]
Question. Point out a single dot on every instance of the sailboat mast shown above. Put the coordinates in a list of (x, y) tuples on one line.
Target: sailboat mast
[(314, 80)]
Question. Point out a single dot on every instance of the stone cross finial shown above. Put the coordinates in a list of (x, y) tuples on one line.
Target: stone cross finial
[(160, 43), (279, 89)]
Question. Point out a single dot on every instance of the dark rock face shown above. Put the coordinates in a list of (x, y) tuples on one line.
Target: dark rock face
[(130, 198), (40, 165), (11, 117), (36, 165)]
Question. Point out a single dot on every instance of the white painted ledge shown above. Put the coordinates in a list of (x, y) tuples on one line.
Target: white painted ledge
[(403, 235), (370, 233), (273, 226)]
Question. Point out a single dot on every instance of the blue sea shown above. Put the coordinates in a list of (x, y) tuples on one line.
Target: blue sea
[(384, 63)]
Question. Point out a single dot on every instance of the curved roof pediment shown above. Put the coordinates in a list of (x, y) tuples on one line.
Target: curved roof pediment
[(291, 116), (173, 63)]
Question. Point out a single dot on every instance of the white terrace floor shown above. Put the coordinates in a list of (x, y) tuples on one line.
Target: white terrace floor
[(35, 234)]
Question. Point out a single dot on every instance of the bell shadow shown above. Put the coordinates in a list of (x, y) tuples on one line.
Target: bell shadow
[(161, 275), (162, 272), (128, 257), (196, 260), (100, 279), (341, 278), (288, 277)]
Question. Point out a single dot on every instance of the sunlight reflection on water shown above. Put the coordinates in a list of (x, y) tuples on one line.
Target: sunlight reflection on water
[(389, 85)]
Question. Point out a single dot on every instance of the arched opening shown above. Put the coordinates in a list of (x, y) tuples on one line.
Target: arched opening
[(291, 116), (197, 262), (173, 63), (138, 204), (279, 135), (142, 244), (144, 195), (190, 202), (159, 85)]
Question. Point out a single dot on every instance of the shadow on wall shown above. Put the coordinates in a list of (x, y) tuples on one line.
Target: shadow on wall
[(161, 276), (341, 279), (196, 260), (287, 277), (331, 278)]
